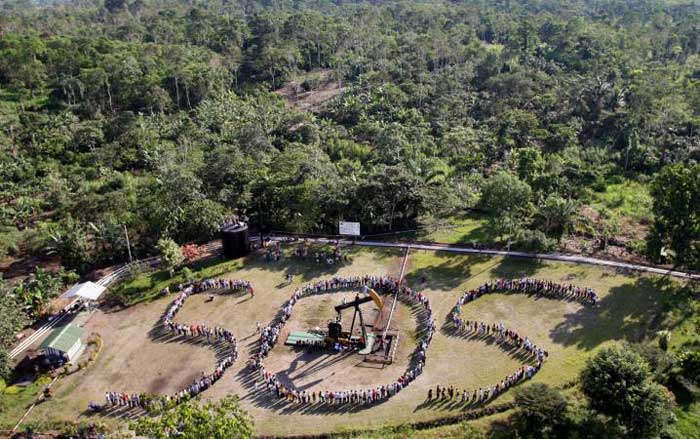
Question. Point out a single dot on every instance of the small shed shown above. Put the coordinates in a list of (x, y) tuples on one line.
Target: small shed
[(64, 342)]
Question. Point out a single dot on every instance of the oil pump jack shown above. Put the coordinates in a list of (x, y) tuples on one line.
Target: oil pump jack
[(335, 329)]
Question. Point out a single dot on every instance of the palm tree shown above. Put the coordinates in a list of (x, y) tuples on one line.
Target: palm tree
[(557, 214)]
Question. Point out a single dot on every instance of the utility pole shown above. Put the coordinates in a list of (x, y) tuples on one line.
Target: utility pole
[(128, 244)]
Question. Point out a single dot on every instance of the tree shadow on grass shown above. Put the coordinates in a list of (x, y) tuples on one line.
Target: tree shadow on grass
[(449, 271), (630, 312), (513, 268), (478, 235), (305, 269), (478, 232)]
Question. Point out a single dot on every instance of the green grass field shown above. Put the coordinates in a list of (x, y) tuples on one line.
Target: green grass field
[(461, 230), (15, 400), (147, 286), (632, 308)]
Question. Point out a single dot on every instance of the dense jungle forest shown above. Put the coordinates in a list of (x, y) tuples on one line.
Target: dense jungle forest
[(542, 120)]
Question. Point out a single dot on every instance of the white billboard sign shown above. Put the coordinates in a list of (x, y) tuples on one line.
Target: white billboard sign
[(348, 228)]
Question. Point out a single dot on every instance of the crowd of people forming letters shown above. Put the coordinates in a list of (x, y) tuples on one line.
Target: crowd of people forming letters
[(505, 336), (269, 335), (538, 287), (385, 284), (213, 335)]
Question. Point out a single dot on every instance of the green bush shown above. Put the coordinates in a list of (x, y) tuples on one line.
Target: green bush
[(533, 241), (188, 274), (616, 179), (599, 185), (664, 339), (690, 365), (540, 408), (310, 83), (5, 368), (10, 239), (12, 390)]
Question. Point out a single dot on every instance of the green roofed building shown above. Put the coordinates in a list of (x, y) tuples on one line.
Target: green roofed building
[(64, 342)]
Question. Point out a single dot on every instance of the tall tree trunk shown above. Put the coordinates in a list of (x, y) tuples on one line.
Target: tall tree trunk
[(187, 95), (177, 91), (109, 96), (391, 216), (318, 53)]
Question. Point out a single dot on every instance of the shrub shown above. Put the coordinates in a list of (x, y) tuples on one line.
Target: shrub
[(188, 274), (539, 408), (95, 340), (12, 390), (616, 179), (690, 365), (5, 368), (310, 83), (599, 185), (660, 362), (617, 382), (664, 339), (10, 239), (190, 252), (533, 240), (170, 254), (80, 429)]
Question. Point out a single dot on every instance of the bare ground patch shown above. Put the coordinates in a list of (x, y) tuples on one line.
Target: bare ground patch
[(313, 370), (309, 92)]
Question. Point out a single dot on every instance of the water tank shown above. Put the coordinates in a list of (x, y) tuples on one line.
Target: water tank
[(234, 239)]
